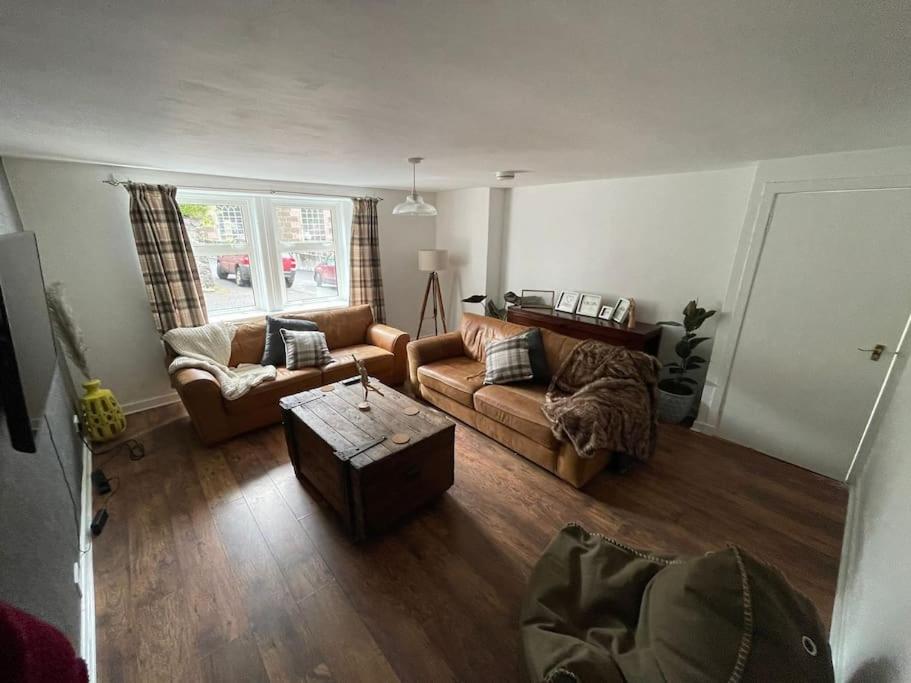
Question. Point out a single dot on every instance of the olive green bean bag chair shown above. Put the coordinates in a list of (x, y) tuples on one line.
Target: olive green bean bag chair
[(597, 610)]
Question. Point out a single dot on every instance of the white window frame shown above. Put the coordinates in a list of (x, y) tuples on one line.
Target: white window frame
[(339, 229), (269, 291), (248, 211)]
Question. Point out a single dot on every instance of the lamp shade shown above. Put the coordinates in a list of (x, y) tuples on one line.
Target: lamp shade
[(414, 205), (432, 260)]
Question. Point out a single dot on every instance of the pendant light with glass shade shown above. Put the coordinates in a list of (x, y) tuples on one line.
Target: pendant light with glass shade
[(414, 204)]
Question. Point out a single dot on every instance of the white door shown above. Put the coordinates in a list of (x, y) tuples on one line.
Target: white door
[(834, 275)]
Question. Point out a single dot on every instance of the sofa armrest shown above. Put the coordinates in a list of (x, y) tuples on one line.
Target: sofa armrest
[(393, 340), (431, 349), (200, 394), (195, 382)]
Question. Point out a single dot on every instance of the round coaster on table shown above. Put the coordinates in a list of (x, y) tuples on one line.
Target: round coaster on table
[(411, 410), (328, 388), (400, 438), (363, 406)]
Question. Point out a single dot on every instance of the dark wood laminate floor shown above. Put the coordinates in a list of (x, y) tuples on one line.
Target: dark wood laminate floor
[(218, 565)]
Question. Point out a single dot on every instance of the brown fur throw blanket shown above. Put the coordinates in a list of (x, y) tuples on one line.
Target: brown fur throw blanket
[(603, 397)]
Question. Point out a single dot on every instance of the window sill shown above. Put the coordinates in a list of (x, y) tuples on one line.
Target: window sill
[(257, 316)]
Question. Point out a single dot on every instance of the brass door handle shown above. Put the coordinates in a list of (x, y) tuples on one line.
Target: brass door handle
[(877, 351)]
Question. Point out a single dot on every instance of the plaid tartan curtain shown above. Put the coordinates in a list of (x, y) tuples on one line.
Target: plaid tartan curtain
[(366, 278), (166, 257)]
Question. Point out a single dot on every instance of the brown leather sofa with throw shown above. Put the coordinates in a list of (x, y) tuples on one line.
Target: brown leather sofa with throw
[(348, 331), (448, 371)]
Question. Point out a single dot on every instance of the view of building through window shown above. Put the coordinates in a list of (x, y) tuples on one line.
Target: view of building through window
[(231, 235), (229, 223), (306, 233), (304, 224)]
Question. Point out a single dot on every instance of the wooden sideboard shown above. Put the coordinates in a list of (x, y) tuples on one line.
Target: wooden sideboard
[(642, 337)]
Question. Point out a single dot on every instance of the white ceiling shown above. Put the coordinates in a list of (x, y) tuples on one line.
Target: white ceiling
[(342, 92)]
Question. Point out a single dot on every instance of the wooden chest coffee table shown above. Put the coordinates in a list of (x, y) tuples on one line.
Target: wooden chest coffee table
[(351, 457)]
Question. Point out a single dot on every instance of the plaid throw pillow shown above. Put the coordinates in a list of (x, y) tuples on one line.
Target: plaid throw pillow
[(508, 361), (274, 353), (305, 349)]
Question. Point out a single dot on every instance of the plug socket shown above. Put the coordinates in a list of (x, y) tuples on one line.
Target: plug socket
[(100, 519), (102, 485)]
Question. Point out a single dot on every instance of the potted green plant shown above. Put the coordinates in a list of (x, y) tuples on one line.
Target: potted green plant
[(677, 392)]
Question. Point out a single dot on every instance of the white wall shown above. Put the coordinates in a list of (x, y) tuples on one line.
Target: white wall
[(470, 226), (662, 240), (86, 242), (9, 216), (496, 231), (870, 625)]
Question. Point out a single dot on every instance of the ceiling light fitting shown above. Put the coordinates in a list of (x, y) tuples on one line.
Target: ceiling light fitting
[(414, 204)]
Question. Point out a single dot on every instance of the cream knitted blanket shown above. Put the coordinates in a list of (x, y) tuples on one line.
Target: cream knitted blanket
[(208, 347)]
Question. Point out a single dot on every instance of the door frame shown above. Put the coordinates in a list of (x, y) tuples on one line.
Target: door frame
[(740, 286)]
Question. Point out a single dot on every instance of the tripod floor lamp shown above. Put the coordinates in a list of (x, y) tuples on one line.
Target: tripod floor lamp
[(431, 261)]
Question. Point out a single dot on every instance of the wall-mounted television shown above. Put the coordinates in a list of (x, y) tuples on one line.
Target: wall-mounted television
[(28, 357)]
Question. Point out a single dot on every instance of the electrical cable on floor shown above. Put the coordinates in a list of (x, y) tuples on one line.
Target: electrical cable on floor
[(104, 486), (66, 479), (134, 447)]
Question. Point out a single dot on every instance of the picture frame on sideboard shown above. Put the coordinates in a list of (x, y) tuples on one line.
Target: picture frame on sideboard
[(537, 298), (567, 302), (589, 305), (621, 310)]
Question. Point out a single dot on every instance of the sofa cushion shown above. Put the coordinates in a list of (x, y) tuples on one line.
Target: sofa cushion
[(537, 355), (507, 361), (249, 343), (458, 378), (519, 408), (268, 393), (274, 353), (513, 440), (305, 349), (378, 362), (477, 330), (557, 348), (342, 327)]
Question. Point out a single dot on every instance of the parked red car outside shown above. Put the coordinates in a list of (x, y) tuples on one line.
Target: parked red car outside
[(324, 273), (238, 265)]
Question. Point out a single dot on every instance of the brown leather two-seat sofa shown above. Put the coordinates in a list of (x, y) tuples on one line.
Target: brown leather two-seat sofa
[(448, 371), (348, 331)]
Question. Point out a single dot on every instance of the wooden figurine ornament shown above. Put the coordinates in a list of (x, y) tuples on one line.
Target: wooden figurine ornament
[(365, 382), (631, 319)]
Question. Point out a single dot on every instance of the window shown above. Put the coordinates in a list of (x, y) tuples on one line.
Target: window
[(307, 235), (257, 253)]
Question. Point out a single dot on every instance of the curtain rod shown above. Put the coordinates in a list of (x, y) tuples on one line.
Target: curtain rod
[(113, 182)]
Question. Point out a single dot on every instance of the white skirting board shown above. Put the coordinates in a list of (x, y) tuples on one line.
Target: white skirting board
[(85, 578), (846, 561), (149, 403), (704, 428)]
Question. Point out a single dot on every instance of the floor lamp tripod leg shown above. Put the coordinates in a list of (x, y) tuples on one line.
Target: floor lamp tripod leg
[(436, 285), (424, 304), (439, 295)]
